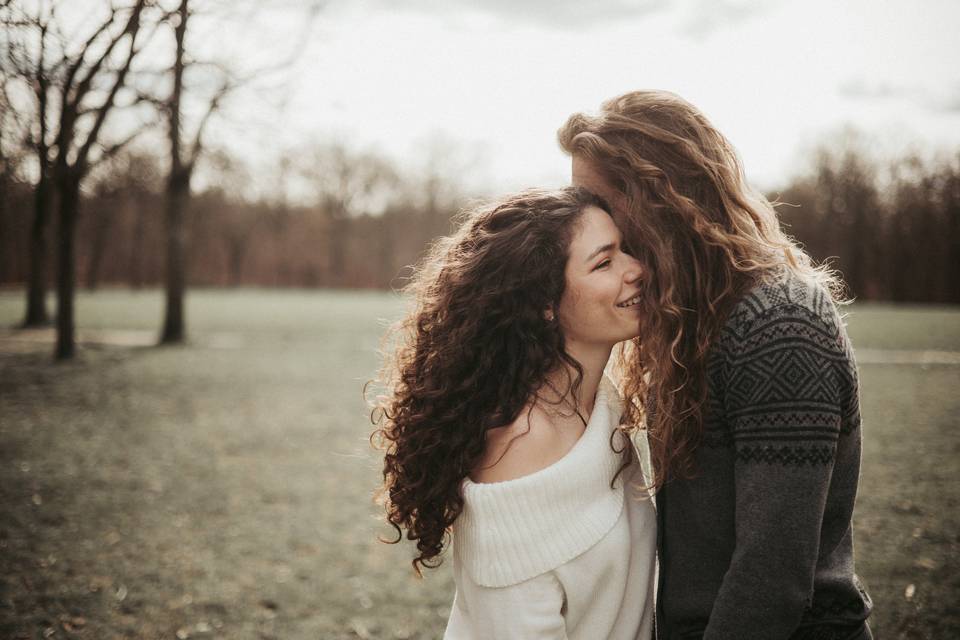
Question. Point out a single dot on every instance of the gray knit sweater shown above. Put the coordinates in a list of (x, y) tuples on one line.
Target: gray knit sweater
[(759, 543)]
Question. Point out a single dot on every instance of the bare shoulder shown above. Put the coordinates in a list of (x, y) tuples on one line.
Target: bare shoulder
[(529, 444)]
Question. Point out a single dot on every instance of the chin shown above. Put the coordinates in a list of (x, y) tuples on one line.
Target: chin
[(629, 334)]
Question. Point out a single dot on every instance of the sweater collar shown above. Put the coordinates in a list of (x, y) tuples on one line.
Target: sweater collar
[(511, 531)]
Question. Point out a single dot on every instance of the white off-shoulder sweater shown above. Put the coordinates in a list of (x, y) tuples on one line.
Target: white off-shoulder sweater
[(559, 553)]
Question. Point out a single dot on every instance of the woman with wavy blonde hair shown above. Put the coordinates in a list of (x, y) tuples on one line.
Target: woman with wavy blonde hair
[(745, 378), (500, 428)]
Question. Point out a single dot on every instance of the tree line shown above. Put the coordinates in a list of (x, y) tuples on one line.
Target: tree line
[(358, 226), (80, 193), (892, 229)]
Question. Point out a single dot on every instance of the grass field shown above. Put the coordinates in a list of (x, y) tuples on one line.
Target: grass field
[(222, 489)]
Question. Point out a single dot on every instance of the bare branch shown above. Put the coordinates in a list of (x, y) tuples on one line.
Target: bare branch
[(74, 68), (302, 40), (112, 150), (16, 62), (156, 24), (173, 113), (133, 23), (21, 131), (156, 73), (133, 28), (212, 108), (12, 24), (146, 98)]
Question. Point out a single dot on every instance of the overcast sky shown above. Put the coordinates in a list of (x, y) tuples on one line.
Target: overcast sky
[(498, 77)]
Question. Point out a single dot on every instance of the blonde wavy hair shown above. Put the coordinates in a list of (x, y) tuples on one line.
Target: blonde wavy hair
[(705, 238)]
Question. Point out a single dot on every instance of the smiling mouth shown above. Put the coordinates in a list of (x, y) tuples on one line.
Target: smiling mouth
[(635, 300)]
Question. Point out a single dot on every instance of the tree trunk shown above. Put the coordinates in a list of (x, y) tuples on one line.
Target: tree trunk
[(101, 232), (135, 265), (236, 252), (7, 263), (37, 280), (387, 242), (37, 283), (69, 188), (951, 199), (337, 260), (178, 194)]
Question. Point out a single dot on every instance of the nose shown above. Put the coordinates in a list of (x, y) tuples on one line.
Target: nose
[(634, 271)]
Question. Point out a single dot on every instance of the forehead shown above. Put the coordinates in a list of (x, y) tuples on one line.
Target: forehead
[(583, 174), (594, 229)]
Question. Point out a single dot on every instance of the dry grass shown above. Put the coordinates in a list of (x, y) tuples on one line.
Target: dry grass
[(223, 489)]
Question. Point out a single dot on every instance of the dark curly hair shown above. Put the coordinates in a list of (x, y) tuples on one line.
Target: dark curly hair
[(474, 351)]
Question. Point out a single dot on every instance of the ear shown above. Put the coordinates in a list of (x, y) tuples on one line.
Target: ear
[(548, 314)]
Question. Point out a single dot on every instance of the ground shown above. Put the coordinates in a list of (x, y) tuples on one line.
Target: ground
[(223, 489)]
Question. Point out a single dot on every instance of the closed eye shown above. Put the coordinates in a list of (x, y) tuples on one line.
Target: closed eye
[(603, 264)]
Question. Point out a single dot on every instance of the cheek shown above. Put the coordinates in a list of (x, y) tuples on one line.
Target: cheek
[(575, 310), (602, 295), (570, 303), (597, 296)]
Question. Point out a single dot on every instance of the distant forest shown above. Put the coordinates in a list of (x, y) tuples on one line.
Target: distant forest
[(892, 230), (103, 126)]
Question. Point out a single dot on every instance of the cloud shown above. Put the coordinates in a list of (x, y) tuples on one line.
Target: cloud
[(697, 19), (950, 103), (566, 14), (705, 17), (859, 89), (944, 99)]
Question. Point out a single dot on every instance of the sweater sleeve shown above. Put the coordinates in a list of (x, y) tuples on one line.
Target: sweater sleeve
[(531, 609), (787, 381)]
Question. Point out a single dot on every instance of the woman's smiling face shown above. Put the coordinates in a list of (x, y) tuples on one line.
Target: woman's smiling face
[(600, 303)]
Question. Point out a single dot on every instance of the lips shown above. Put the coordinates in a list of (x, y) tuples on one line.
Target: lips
[(635, 300)]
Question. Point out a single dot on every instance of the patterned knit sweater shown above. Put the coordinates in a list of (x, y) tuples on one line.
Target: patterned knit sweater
[(759, 543)]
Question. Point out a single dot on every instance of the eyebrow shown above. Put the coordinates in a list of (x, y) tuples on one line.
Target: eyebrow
[(599, 250)]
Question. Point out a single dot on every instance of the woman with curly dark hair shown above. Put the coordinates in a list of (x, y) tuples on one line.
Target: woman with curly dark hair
[(500, 428)]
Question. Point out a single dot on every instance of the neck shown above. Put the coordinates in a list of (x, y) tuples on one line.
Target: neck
[(593, 359)]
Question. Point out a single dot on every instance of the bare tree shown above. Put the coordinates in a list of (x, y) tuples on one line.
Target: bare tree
[(235, 219), (278, 219), (184, 156), (922, 242), (103, 223), (892, 228), (75, 85), (142, 181), (438, 180), (11, 155), (346, 184), (34, 69), (104, 59), (183, 160)]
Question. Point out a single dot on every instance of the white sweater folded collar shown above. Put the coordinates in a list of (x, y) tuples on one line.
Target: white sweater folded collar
[(512, 531)]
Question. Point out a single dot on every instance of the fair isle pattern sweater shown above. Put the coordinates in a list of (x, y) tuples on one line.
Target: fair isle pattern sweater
[(759, 544)]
